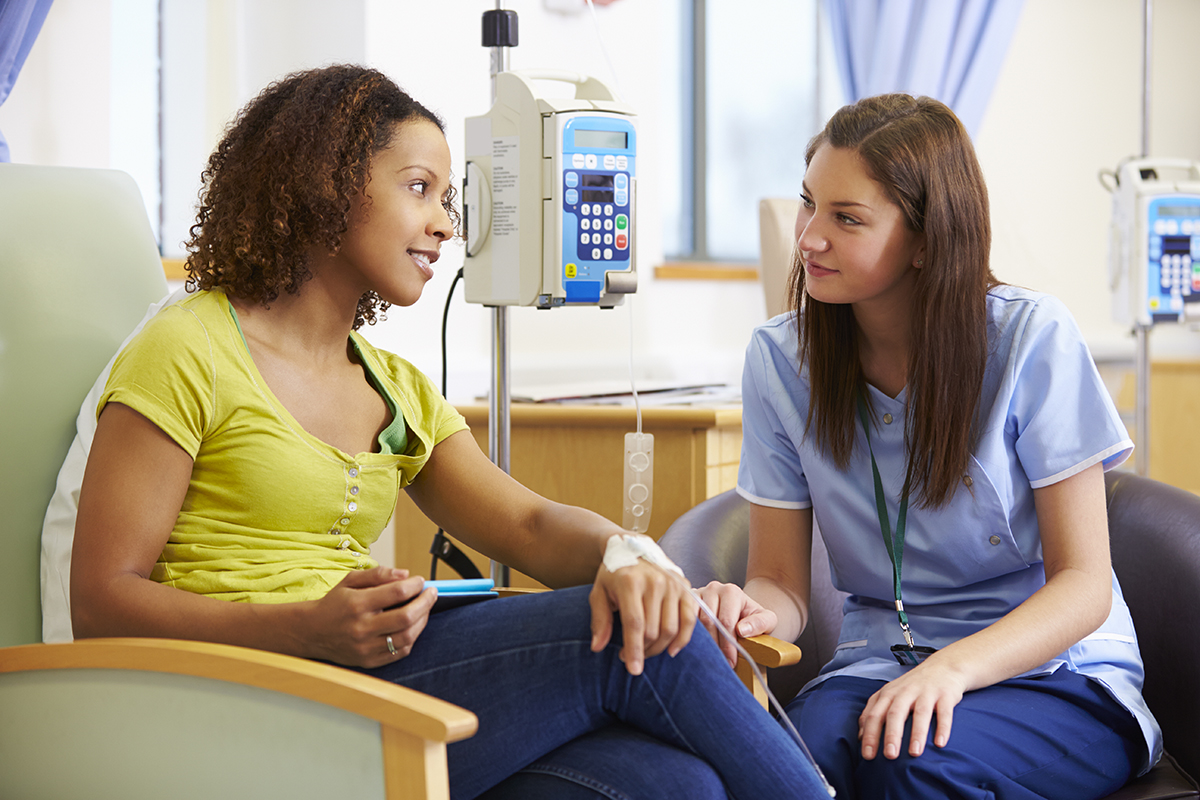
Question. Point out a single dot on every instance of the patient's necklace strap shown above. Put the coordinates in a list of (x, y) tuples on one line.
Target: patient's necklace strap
[(895, 548)]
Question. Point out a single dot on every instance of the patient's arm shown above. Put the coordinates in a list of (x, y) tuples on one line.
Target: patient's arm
[(560, 545), (133, 489), (482, 506)]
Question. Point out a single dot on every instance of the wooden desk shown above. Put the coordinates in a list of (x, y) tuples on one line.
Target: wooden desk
[(1174, 408), (573, 454)]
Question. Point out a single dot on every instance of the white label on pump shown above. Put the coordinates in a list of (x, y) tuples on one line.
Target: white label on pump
[(506, 202)]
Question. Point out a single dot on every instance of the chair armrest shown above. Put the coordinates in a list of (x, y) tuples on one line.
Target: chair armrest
[(411, 728), (395, 706), (516, 591), (766, 651)]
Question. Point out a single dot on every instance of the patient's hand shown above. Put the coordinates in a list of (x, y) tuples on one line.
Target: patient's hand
[(657, 612), (350, 625)]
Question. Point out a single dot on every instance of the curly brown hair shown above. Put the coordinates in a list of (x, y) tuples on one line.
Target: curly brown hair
[(285, 176)]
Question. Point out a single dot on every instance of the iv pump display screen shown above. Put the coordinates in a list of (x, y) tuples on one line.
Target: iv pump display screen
[(611, 140)]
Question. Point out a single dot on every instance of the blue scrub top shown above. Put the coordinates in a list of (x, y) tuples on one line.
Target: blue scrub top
[(1044, 416)]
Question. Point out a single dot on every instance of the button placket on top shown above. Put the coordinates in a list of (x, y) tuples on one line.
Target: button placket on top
[(351, 506)]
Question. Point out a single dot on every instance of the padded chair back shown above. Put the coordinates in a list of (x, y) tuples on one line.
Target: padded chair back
[(1155, 534), (776, 240), (78, 268)]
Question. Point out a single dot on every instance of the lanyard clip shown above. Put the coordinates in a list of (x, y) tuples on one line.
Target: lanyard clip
[(909, 654), (904, 626)]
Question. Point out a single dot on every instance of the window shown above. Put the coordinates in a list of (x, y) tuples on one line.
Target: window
[(755, 81)]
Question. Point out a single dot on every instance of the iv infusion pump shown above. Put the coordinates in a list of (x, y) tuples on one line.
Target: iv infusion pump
[(549, 196), (1154, 257)]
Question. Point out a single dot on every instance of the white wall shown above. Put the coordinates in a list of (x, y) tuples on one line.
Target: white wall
[(219, 54), (684, 331), (1067, 104), (59, 109)]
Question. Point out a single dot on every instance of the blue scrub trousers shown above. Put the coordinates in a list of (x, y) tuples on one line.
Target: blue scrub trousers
[(1049, 737), (685, 728)]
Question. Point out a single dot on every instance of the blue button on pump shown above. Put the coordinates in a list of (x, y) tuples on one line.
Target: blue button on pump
[(582, 291)]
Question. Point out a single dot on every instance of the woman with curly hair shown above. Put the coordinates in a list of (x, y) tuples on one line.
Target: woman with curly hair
[(250, 446)]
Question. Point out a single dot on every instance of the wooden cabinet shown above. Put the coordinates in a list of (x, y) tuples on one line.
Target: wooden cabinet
[(1174, 428), (1174, 417), (573, 454)]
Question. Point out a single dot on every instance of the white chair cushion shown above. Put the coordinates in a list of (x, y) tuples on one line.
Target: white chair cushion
[(58, 529)]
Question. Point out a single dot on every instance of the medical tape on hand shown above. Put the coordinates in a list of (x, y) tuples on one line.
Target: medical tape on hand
[(624, 550)]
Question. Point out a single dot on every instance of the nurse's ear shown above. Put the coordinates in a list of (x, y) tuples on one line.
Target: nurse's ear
[(917, 243)]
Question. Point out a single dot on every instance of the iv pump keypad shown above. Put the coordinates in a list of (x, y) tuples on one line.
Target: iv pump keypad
[(597, 165)]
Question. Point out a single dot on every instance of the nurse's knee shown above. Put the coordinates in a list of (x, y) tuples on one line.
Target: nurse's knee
[(931, 774)]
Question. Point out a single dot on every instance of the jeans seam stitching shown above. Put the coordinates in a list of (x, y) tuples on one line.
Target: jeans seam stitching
[(667, 715), (577, 778), (489, 656)]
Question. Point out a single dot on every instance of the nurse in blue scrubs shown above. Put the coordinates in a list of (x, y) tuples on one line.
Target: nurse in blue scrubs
[(948, 436)]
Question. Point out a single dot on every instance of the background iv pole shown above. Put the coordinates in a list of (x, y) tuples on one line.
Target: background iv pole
[(1141, 332)]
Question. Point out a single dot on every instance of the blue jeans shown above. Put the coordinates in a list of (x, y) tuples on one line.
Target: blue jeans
[(1058, 736), (524, 665), (597, 766)]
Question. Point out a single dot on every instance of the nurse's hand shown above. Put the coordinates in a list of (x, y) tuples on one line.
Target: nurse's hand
[(738, 613), (925, 691), (657, 612), (351, 624)]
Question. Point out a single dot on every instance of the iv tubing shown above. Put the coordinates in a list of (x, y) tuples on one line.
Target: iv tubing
[(604, 50), (637, 404), (775, 704)]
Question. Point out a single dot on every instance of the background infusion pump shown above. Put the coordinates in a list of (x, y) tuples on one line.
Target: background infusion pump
[(550, 195), (1154, 266)]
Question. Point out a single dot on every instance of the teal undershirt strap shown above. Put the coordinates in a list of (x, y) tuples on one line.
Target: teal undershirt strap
[(393, 440)]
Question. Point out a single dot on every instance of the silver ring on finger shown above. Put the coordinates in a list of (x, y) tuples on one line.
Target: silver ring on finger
[(391, 645)]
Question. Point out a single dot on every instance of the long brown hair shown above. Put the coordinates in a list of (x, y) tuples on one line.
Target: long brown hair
[(920, 154)]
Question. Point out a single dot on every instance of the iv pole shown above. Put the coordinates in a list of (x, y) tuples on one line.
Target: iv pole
[(499, 33), (1141, 332)]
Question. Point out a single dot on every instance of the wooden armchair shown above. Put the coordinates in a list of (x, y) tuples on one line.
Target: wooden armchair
[(144, 717)]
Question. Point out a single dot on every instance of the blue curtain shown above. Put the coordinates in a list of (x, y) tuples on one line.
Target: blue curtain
[(20, 22), (948, 49)]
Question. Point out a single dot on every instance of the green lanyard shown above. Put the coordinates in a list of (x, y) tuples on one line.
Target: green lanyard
[(895, 549)]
